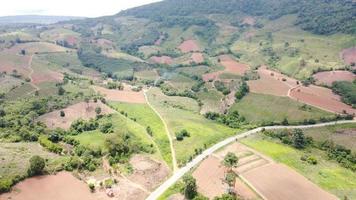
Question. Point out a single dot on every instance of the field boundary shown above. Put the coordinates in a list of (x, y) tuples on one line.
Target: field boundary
[(174, 160), (182, 171)]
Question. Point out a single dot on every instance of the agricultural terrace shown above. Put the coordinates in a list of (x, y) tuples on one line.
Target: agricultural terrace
[(128, 95), (327, 174), (327, 78)]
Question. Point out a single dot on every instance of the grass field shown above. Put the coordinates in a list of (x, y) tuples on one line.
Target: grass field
[(260, 108), (292, 45), (327, 174), (15, 158), (145, 116), (211, 100), (121, 124), (147, 75), (343, 134), (21, 91), (182, 113)]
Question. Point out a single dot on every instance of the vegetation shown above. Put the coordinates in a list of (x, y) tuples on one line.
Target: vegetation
[(190, 187), (346, 90), (37, 165)]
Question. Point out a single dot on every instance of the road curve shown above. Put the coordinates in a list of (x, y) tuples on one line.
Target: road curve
[(180, 173)]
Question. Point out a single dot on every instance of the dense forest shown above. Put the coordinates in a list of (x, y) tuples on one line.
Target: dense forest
[(317, 16)]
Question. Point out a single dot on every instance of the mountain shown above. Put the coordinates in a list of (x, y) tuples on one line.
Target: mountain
[(35, 19)]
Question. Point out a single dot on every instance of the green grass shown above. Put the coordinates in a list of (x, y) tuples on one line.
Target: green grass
[(146, 75), (343, 134), (92, 140), (21, 91), (175, 189), (196, 70), (145, 116), (327, 174), (311, 47), (203, 132), (211, 100), (15, 158), (260, 108)]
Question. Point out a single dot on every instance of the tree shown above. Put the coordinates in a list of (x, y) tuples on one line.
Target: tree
[(298, 139), (230, 161), (190, 186), (62, 113), (23, 52), (98, 110), (86, 99), (37, 165), (61, 91)]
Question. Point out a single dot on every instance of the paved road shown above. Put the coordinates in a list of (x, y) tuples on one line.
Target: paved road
[(180, 173)]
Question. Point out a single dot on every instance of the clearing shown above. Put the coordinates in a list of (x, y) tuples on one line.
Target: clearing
[(189, 46), (126, 95), (80, 110), (349, 55), (327, 78)]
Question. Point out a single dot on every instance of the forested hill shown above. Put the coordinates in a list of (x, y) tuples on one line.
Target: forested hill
[(317, 16)]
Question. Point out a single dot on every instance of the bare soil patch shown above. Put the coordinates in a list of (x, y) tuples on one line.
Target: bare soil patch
[(197, 58), (128, 96), (322, 98), (349, 55), (272, 82), (189, 46), (48, 76), (231, 66), (148, 172), (278, 182), (10, 62), (78, 111), (327, 78), (162, 60), (62, 186)]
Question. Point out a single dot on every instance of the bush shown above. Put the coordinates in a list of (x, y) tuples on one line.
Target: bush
[(5, 185), (182, 134), (91, 187), (37, 165), (52, 147)]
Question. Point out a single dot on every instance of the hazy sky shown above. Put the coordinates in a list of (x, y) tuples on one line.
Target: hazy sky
[(86, 8)]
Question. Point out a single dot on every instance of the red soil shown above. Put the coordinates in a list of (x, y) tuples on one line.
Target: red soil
[(322, 98), (80, 110), (272, 83), (19, 64), (328, 78), (49, 76), (72, 40), (62, 186), (231, 66), (197, 58), (162, 60), (210, 180), (278, 182), (123, 96), (349, 55), (189, 46)]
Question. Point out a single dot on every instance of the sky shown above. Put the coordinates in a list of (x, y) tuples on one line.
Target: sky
[(83, 8)]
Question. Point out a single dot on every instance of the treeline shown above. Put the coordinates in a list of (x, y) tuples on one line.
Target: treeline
[(297, 139), (317, 16), (346, 90)]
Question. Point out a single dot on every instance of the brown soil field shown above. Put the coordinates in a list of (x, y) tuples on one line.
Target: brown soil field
[(37, 47), (327, 78), (322, 98), (147, 172), (162, 60), (272, 83), (210, 174), (10, 62), (48, 76), (278, 182), (189, 46), (349, 55), (123, 96), (80, 110), (72, 40), (197, 58), (231, 66), (62, 186)]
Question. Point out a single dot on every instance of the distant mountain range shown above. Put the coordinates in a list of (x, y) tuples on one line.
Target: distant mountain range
[(35, 19)]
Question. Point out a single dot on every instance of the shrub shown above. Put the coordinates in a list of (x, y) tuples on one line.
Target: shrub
[(91, 187), (37, 165), (5, 185)]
